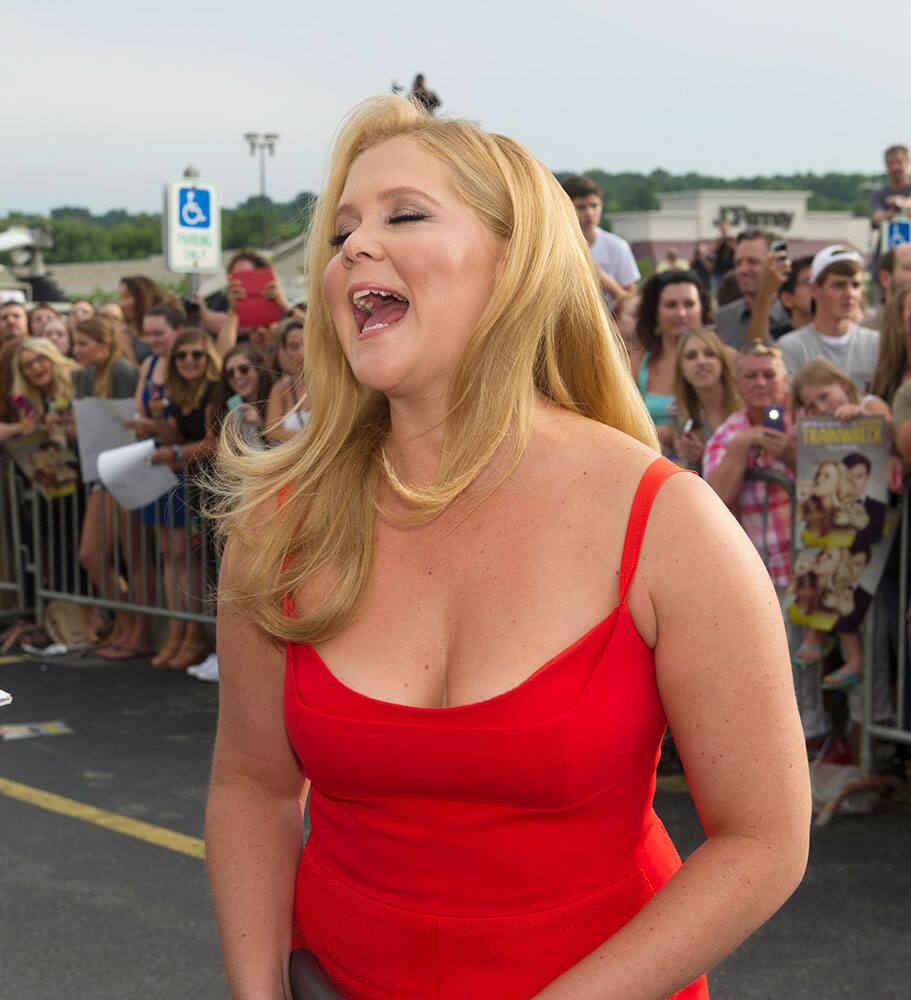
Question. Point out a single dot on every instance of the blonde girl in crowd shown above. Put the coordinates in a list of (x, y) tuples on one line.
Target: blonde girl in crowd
[(42, 387), (287, 413), (705, 394), (191, 380), (821, 389), (106, 374)]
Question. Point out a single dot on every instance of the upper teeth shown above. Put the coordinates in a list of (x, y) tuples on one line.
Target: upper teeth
[(360, 297)]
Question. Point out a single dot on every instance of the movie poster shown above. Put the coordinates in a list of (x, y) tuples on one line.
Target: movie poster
[(843, 524), (47, 461)]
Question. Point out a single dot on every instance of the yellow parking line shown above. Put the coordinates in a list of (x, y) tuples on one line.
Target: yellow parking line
[(11, 659), (158, 835)]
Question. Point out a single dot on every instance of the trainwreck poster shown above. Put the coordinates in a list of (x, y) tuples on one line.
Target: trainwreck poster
[(843, 524)]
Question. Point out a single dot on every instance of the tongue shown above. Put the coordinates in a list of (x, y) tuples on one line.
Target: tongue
[(390, 311)]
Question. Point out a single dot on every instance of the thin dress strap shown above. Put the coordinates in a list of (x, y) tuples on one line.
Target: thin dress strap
[(651, 481)]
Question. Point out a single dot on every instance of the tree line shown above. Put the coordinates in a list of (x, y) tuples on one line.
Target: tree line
[(79, 235)]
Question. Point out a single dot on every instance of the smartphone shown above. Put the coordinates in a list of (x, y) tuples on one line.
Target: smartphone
[(773, 417), (779, 247)]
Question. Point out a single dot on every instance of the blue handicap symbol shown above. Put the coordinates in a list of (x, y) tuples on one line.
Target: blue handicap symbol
[(193, 207), (899, 233)]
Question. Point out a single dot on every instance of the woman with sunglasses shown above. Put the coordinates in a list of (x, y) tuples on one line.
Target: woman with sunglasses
[(191, 379), (244, 389), (287, 411), (672, 303), (42, 390)]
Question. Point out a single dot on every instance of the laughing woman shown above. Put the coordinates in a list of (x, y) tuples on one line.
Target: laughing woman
[(477, 493)]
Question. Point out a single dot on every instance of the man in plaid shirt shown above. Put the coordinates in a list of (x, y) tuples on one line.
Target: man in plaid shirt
[(742, 443)]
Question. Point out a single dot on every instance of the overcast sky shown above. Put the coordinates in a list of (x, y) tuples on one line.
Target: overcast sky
[(104, 101)]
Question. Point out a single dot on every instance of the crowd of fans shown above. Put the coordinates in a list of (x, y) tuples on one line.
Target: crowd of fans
[(713, 344), (186, 365), (718, 342)]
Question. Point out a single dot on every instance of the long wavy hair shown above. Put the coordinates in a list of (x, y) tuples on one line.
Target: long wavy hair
[(688, 405), (61, 389), (102, 330), (893, 348), (310, 505)]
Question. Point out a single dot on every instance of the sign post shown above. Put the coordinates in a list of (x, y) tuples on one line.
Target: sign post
[(192, 228)]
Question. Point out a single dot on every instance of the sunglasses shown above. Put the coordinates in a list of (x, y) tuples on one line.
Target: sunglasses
[(184, 355), (239, 370), (35, 363)]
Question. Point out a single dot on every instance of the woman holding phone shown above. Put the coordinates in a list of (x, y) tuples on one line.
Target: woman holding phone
[(705, 393)]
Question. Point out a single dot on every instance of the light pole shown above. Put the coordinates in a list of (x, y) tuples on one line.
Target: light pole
[(262, 141)]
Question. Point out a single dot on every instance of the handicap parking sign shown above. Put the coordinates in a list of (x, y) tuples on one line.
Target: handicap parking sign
[(192, 227), (899, 232), (193, 207)]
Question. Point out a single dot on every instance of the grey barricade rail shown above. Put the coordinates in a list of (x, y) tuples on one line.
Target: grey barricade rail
[(769, 477), (14, 600), (84, 548), (899, 729)]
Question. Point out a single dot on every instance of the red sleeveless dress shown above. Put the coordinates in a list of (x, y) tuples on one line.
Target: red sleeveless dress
[(482, 850)]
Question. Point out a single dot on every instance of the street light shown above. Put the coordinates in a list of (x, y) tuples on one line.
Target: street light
[(262, 141)]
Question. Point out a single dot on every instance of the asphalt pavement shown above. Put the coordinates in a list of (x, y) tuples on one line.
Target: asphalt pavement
[(96, 914)]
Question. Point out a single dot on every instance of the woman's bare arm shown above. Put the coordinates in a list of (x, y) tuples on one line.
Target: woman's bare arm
[(253, 819), (278, 406), (724, 677)]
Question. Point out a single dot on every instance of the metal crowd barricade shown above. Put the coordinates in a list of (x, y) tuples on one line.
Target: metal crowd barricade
[(769, 476), (899, 731), (166, 568), (13, 579)]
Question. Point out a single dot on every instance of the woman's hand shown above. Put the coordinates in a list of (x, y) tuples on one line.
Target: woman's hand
[(848, 411), (249, 414), (690, 448), (157, 408), (234, 292), (28, 424), (163, 456), (275, 291), (143, 426)]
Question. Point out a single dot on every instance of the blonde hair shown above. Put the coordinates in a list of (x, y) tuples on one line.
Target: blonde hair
[(688, 406), (62, 387), (893, 351), (102, 330), (820, 372), (544, 328)]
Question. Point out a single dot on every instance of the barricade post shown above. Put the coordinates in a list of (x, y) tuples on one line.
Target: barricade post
[(12, 549)]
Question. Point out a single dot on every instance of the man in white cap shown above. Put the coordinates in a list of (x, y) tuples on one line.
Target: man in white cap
[(836, 285)]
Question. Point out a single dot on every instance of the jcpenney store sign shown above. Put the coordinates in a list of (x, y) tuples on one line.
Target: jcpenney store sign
[(740, 215)]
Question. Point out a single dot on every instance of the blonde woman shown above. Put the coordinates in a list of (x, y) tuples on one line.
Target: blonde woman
[(705, 393), (42, 390), (453, 516), (191, 380), (106, 374)]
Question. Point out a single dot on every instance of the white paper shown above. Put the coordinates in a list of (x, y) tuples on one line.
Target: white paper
[(99, 427), (129, 478)]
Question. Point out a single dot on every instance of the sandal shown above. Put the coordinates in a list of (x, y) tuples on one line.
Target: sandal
[(840, 679), (812, 652)]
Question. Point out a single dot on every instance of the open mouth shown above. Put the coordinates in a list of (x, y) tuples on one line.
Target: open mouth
[(377, 308)]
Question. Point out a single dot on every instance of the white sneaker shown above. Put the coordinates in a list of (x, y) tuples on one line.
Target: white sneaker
[(207, 670)]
